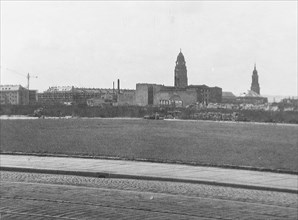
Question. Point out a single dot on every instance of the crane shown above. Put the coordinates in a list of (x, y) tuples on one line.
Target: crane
[(28, 76), (28, 79)]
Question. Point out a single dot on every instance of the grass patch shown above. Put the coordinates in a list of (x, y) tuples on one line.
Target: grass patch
[(239, 144)]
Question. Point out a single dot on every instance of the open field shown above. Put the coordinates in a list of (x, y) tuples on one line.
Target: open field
[(198, 142)]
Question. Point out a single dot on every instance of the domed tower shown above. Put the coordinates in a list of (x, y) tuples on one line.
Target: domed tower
[(180, 71), (255, 81)]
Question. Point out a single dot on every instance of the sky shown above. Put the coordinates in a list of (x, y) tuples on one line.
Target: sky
[(93, 43)]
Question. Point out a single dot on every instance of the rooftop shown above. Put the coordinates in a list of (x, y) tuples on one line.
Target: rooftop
[(250, 93), (11, 87)]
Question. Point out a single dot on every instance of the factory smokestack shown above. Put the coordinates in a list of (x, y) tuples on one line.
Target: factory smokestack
[(118, 86)]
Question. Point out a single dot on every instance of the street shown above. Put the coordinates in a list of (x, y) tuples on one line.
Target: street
[(48, 196)]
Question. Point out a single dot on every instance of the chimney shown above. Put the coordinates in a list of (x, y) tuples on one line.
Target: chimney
[(113, 87), (118, 86)]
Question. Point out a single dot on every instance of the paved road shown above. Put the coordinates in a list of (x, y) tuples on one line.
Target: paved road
[(48, 196)]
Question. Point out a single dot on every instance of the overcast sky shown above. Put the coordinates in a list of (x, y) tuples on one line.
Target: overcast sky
[(92, 44)]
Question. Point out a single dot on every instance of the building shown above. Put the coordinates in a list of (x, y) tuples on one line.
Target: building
[(289, 104), (255, 81), (228, 97), (251, 97), (33, 98), (57, 94), (290, 101), (96, 102), (179, 95), (121, 97), (89, 96), (126, 97), (71, 94), (14, 95)]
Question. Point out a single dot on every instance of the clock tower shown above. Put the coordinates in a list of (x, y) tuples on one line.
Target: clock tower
[(255, 81), (180, 72)]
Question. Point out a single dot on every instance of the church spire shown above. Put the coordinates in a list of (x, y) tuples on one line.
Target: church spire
[(255, 81), (255, 72)]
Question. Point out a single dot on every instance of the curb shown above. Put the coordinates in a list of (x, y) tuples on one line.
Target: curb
[(150, 178)]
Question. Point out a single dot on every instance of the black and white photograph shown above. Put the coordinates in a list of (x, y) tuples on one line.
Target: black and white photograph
[(152, 109)]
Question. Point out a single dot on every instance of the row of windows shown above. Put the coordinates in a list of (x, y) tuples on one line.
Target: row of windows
[(8, 101), (72, 95), (5, 88), (10, 92), (170, 102), (46, 95), (8, 98), (9, 95)]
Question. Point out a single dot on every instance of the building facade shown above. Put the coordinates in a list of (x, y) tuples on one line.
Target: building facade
[(126, 97), (14, 95), (90, 96), (33, 98), (228, 97), (57, 94), (251, 97), (71, 95)]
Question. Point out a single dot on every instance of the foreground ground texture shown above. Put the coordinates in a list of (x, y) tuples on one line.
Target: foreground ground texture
[(47, 196), (271, 146)]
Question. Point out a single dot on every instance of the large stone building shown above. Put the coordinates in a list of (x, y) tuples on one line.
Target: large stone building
[(251, 97), (14, 95), (90, 96), (57, 94), (181, 94), (71, 95)]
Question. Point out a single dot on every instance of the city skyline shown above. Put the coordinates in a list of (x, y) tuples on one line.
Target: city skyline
[(92, 44)]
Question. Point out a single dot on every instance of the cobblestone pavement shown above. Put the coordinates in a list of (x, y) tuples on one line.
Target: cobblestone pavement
[(47, 196)]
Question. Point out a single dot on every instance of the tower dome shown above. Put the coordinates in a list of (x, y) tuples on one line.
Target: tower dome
[(180, 59)]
